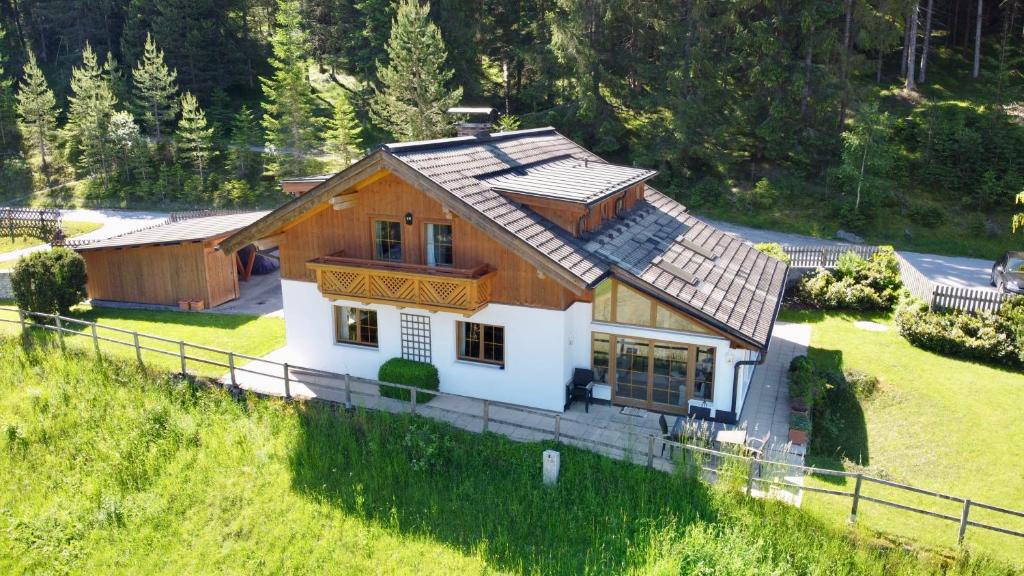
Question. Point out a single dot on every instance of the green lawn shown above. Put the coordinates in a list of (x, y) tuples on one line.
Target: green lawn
[(252, 335), (71, 229), (105, 469), (936, 423)]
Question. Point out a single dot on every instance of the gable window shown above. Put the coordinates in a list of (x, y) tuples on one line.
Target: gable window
[(439, 245), (355, 326), (387, 240), (618, 303), (620, 206), (481, 343), (581, 226)]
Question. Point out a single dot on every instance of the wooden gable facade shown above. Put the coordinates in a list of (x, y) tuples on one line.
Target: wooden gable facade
[(344, 226)]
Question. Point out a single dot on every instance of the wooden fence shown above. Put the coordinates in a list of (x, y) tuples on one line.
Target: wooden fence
[(942, 297), (756, 473), (38, 223), (189, 215)]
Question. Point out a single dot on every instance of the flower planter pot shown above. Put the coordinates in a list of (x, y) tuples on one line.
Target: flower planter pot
[(797, 436)]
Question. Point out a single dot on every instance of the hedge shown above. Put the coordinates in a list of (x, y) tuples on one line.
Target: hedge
[(855, 283), (410, 373), (50, 281), (983, 336)]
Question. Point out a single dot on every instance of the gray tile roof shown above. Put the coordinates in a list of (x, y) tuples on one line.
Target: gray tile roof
[(715, 276), (180, 231), (583, 181)]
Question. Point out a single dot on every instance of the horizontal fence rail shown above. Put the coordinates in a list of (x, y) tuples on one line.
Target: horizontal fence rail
[(941, 297), (754, 471)]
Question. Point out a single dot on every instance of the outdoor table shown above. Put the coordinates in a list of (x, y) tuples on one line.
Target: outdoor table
[(735, 437)]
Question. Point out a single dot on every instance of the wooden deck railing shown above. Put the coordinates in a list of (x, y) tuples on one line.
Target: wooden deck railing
[(459, 290)]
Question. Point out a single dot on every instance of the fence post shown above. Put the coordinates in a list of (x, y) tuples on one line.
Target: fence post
[(348, 392), (181, 353), (750, 476), (856, 498), (95, 341), (650, 451), (60, 332), (231, 368), (287, 383), (487, 413), (558, 427), (413, 392), (21, 319), (138, 348), (963, 521)]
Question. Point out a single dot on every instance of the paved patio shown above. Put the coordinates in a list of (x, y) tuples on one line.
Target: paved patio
[(605, 429)]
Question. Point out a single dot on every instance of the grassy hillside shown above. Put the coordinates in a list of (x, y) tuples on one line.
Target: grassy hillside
[(106, 469)]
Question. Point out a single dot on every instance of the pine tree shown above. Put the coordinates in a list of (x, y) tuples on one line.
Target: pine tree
[(288, 107), (343, 138), (37, 112), (194, 136), (155, 89), (128, 150), (243, 160), (7, 102), (89, 110), (413, 101)]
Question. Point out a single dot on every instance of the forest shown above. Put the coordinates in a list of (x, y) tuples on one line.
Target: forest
[(899, 119)]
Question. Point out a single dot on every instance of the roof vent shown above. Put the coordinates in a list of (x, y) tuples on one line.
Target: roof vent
[(473, 121)]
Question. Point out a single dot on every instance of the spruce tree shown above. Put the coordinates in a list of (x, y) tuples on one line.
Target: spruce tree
[(37, 113), (288, 106), (344, 138), (243, 160), (90, 107), (7, 102), (155, 89), (194, 136), (413, 100)]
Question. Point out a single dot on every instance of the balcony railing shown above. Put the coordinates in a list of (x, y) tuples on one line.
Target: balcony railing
[(441, 289)]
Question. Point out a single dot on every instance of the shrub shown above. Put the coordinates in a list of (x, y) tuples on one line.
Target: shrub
[(764, 195), (409, 373), (774, 250), (855, 284), (50, 281), (982, 336), (927, 215), (800, 422), (862, 383)]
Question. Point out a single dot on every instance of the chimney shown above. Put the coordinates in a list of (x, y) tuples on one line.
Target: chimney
[(477, 121)]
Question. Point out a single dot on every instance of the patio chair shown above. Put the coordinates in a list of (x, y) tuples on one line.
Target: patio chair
[(666, 435), (582, 385), (756, 446)]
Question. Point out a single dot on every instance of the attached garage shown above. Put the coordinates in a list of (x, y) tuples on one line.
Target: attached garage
[(167, 264)]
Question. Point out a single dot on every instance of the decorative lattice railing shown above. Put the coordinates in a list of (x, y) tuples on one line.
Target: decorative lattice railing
[(461, 290)]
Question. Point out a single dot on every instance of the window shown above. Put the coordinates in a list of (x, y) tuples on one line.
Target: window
[(581, 226), (620, 206), (387, 240), (704, 373), (481, 343), (618, 303), (439, 245), (600, 349), (355, 326)]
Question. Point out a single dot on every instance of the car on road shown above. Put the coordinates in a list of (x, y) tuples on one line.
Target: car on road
[(1008, 273)]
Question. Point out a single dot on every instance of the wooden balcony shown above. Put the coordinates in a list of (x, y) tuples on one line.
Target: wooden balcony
[(440, 289)]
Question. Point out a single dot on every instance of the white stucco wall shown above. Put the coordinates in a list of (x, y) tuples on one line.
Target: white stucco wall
[(536, 344), (542, 347)]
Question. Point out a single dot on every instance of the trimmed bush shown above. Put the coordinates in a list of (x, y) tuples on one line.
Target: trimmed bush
[(982, 336), (409, 373), (774, 250), (855, 284), (50, 281)]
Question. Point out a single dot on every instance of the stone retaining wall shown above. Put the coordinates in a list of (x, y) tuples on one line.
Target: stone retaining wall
[(5, 285)]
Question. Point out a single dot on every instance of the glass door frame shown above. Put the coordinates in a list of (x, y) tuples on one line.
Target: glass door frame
[(648, 403)]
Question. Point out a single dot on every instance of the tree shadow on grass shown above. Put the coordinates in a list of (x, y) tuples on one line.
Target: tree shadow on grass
[(482, 494), (839, 430), (99, 314)]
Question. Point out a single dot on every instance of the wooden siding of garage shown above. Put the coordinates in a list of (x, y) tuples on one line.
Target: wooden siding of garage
[(162, 274), (329, 231)]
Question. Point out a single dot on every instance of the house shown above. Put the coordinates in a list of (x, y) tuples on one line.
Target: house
[(167, 263), (509, 260)]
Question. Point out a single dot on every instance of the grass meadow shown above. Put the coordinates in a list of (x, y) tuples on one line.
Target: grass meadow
[(108, 469), (937, 423)]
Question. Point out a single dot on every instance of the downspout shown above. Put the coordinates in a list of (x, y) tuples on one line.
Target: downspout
[(736, 378)]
